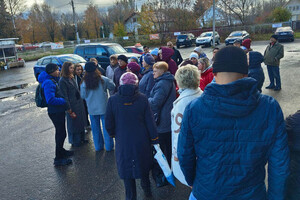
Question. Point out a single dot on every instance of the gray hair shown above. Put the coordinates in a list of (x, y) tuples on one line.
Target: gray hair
[(188, 76)]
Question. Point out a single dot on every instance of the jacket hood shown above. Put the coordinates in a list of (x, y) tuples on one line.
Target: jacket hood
[(255, 59), (186, 93), (166, 76), (235, 99), (128, 93), (167, 53), (44, 76)]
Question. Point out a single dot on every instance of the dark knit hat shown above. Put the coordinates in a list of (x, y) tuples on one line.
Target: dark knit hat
[(149, 59), (274, 36), (90, 66), (230, 59), (51, 67), (122, 57), (134, 67)]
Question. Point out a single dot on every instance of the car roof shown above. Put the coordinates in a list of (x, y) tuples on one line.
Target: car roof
[(58, 56), (94, 44)]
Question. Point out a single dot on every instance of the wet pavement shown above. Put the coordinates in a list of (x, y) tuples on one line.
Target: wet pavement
[(27, 142)]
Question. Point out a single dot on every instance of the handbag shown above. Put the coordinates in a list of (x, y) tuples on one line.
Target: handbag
[(157, 114)]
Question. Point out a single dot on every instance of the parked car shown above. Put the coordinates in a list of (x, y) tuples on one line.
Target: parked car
[(134, 49), (58, 59), (206, 38), (186, 40), (285, 33), (102, 52), (242, 35)]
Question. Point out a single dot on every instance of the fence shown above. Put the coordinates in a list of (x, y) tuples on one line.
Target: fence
[(257, 32)]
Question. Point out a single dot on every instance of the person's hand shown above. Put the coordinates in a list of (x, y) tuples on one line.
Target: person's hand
[(73, 115), (176, 159)]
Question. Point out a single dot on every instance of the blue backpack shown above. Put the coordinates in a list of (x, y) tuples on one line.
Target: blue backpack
[(40, 99)]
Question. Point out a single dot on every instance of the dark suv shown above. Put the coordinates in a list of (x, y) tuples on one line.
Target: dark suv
[(186, 40), (102, 52)]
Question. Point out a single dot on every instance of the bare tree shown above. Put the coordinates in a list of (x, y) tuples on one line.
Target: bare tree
[(14, 8), (49, 18), (240, 8)]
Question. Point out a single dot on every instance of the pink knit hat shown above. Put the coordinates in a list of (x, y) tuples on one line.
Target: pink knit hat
[(129, 78)]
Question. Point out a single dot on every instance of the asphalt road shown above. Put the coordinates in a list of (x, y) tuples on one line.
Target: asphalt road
[(27, 142)]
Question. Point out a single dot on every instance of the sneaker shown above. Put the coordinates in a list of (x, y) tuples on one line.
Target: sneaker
[(277, 88), (68, 153), (62, 162), (270, 87)]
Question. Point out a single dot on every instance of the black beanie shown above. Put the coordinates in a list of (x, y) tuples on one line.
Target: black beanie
[(90, 66), (230, 59), (275, 37), (51, 67), (122, 57)]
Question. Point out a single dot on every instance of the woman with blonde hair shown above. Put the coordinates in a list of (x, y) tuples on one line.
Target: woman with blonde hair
[(161, 99), (187, 78), (206, 72)]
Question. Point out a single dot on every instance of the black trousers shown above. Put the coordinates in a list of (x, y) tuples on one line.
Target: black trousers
[(59, 121), (130, 187)]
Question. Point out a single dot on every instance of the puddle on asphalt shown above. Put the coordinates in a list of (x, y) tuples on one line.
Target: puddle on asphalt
[(297, 50), (16, 109), (3, 99), (21, 86)]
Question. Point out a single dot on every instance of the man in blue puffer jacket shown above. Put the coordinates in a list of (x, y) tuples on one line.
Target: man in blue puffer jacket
[(56, 111), (255, 69), (230, 133)]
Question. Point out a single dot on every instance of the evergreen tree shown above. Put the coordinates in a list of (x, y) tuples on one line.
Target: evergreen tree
[(6, 25)]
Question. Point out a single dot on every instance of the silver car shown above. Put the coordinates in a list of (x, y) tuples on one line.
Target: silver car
[(206, 38)]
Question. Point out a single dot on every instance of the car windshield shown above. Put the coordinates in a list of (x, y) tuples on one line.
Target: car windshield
[(284, 29), (236, 34), (182, 36), (73, 59), (115, 49), (206, 35)]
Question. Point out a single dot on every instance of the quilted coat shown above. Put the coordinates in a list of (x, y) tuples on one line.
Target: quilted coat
[(227, 137)]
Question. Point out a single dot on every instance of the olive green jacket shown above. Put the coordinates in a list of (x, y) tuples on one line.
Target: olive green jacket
[(273, 54)]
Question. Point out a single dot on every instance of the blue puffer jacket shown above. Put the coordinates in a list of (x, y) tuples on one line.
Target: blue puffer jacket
[(56, 102), (293, 130), (159, 103), (227, 137), (147, 82), (255, 69)]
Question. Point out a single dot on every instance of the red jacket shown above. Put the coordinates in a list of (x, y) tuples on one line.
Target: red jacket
[(206, 78)]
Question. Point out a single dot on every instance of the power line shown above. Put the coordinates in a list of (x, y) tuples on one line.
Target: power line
[(62, 5)]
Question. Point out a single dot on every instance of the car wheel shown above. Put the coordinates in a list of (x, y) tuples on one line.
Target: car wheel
[(178, 46), (292, 40), (218, 42), (211, 43)]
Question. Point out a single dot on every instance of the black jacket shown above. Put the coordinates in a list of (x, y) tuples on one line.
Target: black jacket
[(177, 56)]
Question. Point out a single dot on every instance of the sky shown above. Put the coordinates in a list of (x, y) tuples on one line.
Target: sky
[(64, 6)]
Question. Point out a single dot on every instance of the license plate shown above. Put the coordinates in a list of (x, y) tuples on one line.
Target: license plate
[(181, 40)]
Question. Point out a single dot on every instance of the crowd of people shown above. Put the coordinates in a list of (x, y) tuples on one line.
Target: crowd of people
[(208, 115)]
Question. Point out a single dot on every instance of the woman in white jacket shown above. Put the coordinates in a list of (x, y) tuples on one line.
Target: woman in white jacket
[(188, 78)]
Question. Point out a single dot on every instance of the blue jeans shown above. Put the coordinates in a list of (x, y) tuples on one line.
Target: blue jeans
[(273, 72), (97, 133)]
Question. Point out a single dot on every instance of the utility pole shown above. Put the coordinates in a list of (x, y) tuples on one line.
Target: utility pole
[(75, 22), (214, 22)]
